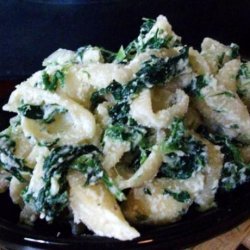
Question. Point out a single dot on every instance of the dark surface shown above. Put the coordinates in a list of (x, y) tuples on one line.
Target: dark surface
[(31, 30), (195, 227)]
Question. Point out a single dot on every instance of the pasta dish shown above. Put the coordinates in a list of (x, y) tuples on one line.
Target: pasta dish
[(116, 139)]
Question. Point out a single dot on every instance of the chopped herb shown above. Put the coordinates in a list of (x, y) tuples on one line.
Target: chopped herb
[(51, 83), (226, 93), (46, 113), (80, 52), (197, 84), (8, 161), (48, 144), (147, 191), (184, 155), (235, 171), (119, 113), (155, 41), (234, 126), (108, 56), (114, 89), (244, 71), (15, 121), (132, 132), (234, 53), (81, 158), (146, 26), (156, 71), (221, 60), (243, 78), (90, 166), (182, 196), (121, 55)]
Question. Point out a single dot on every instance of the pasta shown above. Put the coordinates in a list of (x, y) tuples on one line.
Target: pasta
[(138, 136)]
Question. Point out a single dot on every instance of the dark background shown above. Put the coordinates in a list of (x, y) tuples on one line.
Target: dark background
[(31, 30)]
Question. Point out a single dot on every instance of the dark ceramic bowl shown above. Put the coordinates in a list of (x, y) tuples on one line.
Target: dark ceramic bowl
[(33, 29)]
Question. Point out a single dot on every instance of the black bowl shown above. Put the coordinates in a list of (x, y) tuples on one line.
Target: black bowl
[(33, 29)]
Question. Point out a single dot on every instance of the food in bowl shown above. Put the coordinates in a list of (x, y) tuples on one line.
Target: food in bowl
[(136, 136)]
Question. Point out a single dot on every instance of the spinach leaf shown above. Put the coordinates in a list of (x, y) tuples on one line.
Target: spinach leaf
[(226, 93), (243, 78), (51, 203), (147, 191), (48, 202), (234, 52), (235, 171), (184, 155), (51, 82), (114, 89), (120, 55), (90, 167), (156, 71), (108, 56), (46, 113), (8, 161), (139, 138), (156, 41), (182, 196), (198, 83), (80, 53)]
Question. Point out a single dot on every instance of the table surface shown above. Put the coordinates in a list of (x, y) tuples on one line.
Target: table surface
[(238, 238)]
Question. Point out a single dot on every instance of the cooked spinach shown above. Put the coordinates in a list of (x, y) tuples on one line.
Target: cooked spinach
[(220, 60), (226, 93), (139, 138), (156, 71), (46, 113), (15, 121), (147, 191), (234, 50), (8, 161), (244, 72), (155, 41), (231, 53), (90, 167), (182, 196), (184, 155), (80, 53), (132, 132), (243, 78), (198, 83), (51, 82), (235, 171), (108, 56), (115, 89), (120, 55), (55, 167), (81, 158)]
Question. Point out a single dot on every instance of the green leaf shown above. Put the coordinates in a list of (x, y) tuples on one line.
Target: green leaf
[(46, 113), (121, 55), (197, 84), (235, 171), (185, 155), (51, 82), (182, 196), (226, 93), (8, 161)]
